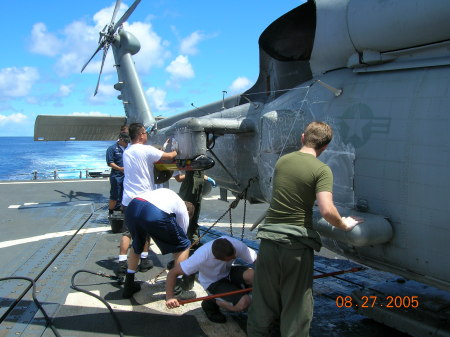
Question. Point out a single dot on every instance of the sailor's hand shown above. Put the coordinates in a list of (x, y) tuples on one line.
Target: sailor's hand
[(212, 181), (351, 221), (172, 303), (173, 144), (165, 144)]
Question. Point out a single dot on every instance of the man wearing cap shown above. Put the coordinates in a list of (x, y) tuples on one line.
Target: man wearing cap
[(114, 159)]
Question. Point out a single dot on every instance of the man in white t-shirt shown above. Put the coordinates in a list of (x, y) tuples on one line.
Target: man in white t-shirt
[(162, 215), (138, 163), (217, 274)]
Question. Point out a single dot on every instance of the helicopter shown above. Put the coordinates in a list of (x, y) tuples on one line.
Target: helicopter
[(377, 72)]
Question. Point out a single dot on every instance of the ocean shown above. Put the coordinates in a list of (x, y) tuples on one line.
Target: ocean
[(20, 157)]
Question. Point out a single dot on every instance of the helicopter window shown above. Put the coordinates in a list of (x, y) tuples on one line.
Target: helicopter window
[(291, 37)]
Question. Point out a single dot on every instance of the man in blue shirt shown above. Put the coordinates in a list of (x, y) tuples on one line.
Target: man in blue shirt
[(114, 160)]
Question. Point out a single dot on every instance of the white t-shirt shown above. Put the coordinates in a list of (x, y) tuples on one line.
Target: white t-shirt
[(138, 166), (168, 201), (210, 269)]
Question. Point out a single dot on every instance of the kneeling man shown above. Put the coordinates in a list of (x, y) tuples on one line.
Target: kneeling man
[(162, 215), (217, 274)]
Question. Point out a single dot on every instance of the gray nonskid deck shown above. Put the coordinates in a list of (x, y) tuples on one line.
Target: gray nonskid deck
[(57, 207)]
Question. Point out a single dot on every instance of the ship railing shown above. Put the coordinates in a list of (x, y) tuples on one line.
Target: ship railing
[(75, 173)]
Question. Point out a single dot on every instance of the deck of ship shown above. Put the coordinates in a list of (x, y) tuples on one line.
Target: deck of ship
[(53, 230)]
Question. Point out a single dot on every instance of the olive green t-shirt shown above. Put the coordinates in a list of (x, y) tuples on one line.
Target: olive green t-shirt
[(297, 178)]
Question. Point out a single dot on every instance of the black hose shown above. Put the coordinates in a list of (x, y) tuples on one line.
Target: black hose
[(42, 271), (75, 287), (33, 285)]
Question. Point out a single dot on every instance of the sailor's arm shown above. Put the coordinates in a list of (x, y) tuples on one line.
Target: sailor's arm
[(171, 301), (180, 177), (331, 214), (168, 155), (115, 166)]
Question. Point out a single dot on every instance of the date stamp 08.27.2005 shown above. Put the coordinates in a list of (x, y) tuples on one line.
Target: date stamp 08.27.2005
[(390, 302)]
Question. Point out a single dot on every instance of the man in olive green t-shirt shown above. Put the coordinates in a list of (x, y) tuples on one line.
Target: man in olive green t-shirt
[(282, 291)]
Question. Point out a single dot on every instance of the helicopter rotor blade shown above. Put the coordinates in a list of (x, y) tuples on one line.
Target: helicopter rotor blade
[(105, 51), (107, 36), (100, 46), (116, 9), (126, 15)]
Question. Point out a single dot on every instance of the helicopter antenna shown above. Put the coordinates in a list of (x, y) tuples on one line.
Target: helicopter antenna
[(223, 99), (107, 36), (192, 104)]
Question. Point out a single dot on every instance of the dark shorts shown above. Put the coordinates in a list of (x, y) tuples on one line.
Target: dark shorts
[(144, 219), (234, 281), (125, 231), (115, 193)]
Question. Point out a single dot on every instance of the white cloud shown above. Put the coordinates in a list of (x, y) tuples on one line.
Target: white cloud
[(157, 99), (153, 50), (13, 118), (15, 82), (105, 93), (79, 41), (43, 42), (67, 63), (179, 69), (90, 113), (240, 84), (103, 17), (189, 44), (64, 90)]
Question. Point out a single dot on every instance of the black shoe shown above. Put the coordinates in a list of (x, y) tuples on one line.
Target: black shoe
[(177, 289), (178, 286), (181, 294), (212, 311), (183, 284), (131, 286), (121, 269), (186, 295), (187, 282), (146, 264)]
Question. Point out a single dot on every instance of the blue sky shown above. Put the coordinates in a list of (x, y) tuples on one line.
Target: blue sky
[(190, 52)]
